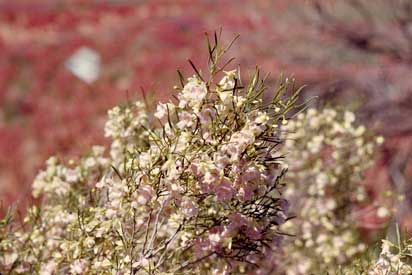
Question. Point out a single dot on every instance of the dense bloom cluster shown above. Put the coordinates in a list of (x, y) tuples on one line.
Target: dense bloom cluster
[(193, 189), (126, 127), (326, 154)]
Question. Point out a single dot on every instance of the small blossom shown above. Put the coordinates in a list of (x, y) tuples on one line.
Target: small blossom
[(78, 267), (224, 190)]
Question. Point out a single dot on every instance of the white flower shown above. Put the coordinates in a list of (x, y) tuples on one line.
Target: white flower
[(189, 209), (186, 120), (48, 268), (193, 94), (226, 86), (215, 238), (162, 110), (78, 267)]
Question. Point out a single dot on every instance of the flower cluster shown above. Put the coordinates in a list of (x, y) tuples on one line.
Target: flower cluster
[(126, 126), (195, 191), (199, 188), (326, 154), (393, 259)]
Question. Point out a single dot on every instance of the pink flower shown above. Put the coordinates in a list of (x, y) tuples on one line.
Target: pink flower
[(224, 190), (245, 193), (251, 173), (194, 167), (211, 176), (233, 150), (238, 143), (78, 267), (215, 238), (189, 208), (280, 218), (145, 194), (193, 94), (284, 205), (221, 161), (186, 120), (161, 111), (253, 233), (236, 221), (205, 116)]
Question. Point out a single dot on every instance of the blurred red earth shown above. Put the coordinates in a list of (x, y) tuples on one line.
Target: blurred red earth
[(47, 110)]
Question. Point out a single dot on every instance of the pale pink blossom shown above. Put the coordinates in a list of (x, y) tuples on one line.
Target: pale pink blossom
[(251, 173), (186, 120), (78, 267), (145, 194), (205, 116), (245, 193), (161, 111), (253, 233), (193, 94), (189, 208), (236, 221), (224, 190)]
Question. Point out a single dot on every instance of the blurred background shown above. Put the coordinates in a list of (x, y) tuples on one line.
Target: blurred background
[(63, 64)]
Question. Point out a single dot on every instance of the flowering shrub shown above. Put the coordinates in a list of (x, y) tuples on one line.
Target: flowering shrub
[(326, 154), (193, 189), (346, 69), (198, 188)]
